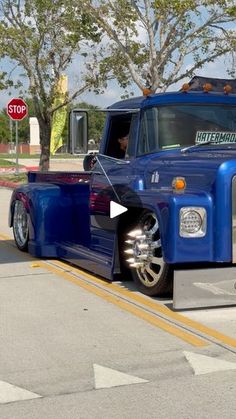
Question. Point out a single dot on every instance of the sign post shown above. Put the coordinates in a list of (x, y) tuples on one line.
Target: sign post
[(17, 110)]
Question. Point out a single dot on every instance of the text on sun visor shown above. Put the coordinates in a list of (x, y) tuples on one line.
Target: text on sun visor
[(215, 137)]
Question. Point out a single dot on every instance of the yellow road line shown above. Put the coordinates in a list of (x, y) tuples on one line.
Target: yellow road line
[(138, 312), (209, 332), (156, 307), (4, 237)]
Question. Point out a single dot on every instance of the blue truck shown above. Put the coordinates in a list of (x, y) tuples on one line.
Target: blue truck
[(176, 178)]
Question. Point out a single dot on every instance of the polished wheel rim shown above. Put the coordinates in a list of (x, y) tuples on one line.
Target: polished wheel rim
[(20, 224), (144, 249)]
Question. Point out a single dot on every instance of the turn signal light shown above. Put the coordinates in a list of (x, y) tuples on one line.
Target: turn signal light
[(179, 184)]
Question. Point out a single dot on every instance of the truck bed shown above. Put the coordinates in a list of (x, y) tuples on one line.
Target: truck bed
[(59, 177)]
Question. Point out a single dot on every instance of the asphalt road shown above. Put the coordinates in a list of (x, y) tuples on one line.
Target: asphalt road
[(74, 347)]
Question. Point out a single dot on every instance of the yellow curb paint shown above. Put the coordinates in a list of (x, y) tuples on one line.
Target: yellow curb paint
[(138, 312), (157, 307)]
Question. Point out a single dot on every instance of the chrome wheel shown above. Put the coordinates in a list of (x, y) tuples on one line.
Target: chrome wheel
[(145, 256), (20, 225)]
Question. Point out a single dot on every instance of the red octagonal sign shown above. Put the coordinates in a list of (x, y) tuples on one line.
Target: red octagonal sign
[(17, 109)]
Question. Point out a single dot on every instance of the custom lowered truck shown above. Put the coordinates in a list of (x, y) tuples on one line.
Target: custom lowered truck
[(177, 179)]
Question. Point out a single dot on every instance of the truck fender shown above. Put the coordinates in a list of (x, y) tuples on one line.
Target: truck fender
[(20, 196)]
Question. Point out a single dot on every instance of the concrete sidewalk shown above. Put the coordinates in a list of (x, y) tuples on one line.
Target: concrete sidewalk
[(55, 164)]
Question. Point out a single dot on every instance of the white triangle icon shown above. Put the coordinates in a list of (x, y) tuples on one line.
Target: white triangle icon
[(107, 377), (116, 209), (202, 364), (10, 393)]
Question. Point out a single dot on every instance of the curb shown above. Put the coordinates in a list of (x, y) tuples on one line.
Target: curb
[(12, 185), (8, 184), (23, 169)]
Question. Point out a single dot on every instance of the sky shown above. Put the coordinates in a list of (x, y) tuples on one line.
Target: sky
[(114, 92)]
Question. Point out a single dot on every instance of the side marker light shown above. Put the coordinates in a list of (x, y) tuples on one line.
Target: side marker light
[(228, 89), (179, 184), (185, 88), (207, 87)]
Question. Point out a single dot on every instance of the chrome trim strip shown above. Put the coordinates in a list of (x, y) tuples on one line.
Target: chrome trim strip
[(234, 219)]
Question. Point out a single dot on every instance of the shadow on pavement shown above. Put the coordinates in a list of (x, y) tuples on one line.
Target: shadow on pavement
[(10, 254)]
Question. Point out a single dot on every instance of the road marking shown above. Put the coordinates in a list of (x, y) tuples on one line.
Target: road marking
[(202, 364), (107, 377), (10, 393), (153, 305), (4, 237), (138, 312)]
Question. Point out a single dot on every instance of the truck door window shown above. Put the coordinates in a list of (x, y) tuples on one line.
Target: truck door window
[(119, 127)]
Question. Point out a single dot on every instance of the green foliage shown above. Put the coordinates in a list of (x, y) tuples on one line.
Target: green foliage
[(156, 43), (5, 163), (17, 178), (42, 37), (4, 128)]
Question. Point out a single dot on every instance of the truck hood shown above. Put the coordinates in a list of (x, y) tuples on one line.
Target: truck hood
[(199, 165)]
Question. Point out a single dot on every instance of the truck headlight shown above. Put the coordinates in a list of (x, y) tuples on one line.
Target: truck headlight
[(192, 222)]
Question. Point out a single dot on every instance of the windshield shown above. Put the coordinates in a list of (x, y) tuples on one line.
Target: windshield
[(187, 125)]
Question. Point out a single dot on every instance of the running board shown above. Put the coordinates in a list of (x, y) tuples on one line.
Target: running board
[(197, 288)]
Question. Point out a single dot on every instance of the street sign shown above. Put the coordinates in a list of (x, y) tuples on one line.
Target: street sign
[(17, 109)]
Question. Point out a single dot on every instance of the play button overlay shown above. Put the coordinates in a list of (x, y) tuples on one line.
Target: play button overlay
[(108, 205), (116, 209)]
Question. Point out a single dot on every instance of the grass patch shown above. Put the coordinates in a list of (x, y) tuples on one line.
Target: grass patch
[(36, 156), (20, 156), (5, 163), (20, 178)]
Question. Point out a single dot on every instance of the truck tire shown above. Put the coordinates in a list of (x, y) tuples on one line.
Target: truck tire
[(20, 226), (152, 275)]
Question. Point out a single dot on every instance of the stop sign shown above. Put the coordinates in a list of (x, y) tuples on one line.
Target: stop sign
[(17, 109)]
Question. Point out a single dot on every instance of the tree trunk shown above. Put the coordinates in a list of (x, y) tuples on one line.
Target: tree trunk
[(45, 135)]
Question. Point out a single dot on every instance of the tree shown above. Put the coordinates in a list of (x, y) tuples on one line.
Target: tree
[(5, 134), (155, 43), (37, 36)]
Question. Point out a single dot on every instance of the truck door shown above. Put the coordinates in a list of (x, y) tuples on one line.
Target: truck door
[(113, 173)]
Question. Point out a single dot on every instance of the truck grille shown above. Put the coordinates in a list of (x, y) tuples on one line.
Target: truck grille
[(234, 219)]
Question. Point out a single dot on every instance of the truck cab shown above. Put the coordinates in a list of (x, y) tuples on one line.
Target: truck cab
[(176, 178)]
